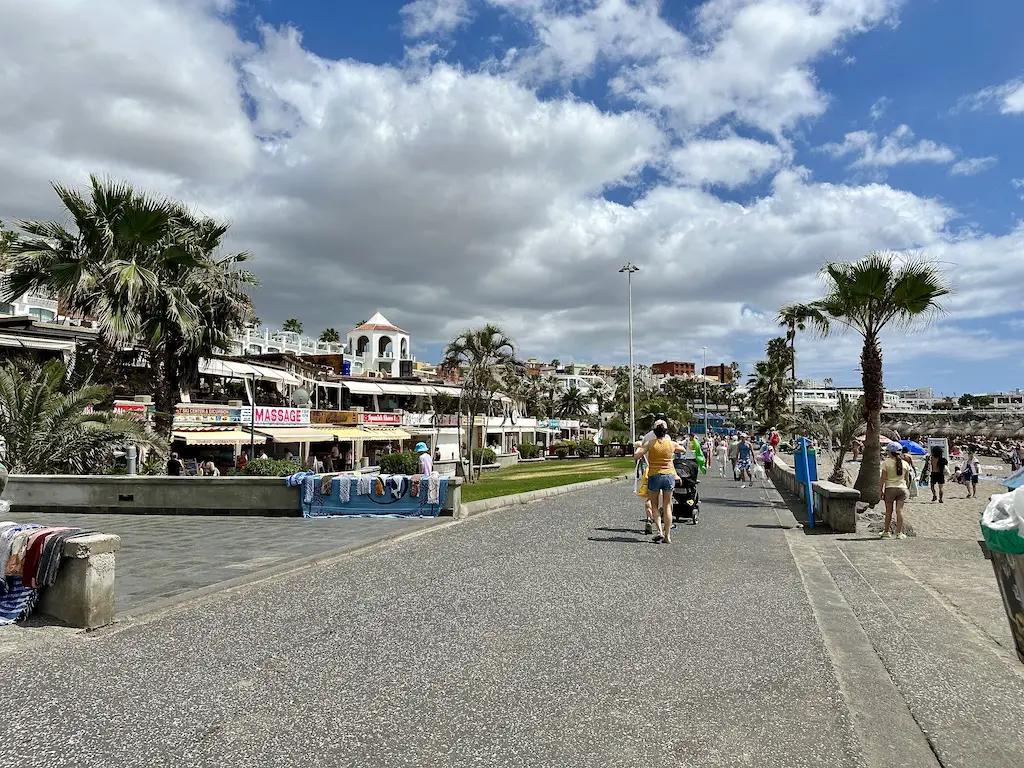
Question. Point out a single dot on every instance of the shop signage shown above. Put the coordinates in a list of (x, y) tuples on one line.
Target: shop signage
[(418, 419), (204, 414), (132, 409), (271, 416), (452, 420), (335, 417), (381, 418)]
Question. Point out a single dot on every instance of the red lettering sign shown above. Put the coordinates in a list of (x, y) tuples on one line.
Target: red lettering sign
[(382, 418)]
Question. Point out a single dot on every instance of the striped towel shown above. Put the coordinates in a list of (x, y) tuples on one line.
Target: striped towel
[(17, 602)]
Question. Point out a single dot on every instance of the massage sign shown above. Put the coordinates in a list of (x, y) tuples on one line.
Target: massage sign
[(267, 416)]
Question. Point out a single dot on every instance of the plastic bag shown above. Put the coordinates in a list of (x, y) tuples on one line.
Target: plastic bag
[(1005, 512), (759, 473), (5, 507)]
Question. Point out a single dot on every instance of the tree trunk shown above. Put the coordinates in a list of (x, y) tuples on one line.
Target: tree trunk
[(874, 397), (792, 356), (838, 473)]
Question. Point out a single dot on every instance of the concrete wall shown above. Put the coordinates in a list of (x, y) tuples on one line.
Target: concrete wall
[(83, 595), (835, 505), (143, 494)]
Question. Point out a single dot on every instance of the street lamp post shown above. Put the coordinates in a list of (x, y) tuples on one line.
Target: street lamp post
[(629, 269), (704, 376)]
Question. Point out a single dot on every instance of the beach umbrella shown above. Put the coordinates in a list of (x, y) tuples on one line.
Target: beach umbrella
[(881, 438), (916, 449), (1015, 481)]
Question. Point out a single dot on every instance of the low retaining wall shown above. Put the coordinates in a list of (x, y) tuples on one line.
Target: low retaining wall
[(83, 595), (506, 460), (152, 495), (834, 504)]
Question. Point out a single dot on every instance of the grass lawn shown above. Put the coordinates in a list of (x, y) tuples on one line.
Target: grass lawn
[(533, 477)]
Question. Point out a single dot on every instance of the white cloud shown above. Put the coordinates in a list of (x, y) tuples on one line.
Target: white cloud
[(1017, 183), (1008, 97), (434, 17), (897, 148), (970, 166), (731, 161), (445, 197), (879, 107)]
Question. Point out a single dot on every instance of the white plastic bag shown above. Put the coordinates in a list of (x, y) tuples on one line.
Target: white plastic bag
[(759, 473), (1005, 511), (5, 507)]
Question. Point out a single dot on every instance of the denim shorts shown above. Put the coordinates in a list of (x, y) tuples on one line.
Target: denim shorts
[(657, 483)]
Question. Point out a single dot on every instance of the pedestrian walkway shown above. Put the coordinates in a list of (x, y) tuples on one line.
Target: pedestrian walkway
[(167, 556), (553, 634)]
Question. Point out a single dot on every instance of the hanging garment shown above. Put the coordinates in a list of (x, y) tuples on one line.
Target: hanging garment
[(33, 552), (309, 488), (326, 483), (298, 478), (433, 488), (17, 556), (53, 554), (414, 485), (6, 541), (344, 485), (380, 487), (17, 601), (364, 485)]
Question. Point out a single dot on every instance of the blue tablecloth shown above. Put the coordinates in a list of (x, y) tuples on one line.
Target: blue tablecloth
[(331, 505)]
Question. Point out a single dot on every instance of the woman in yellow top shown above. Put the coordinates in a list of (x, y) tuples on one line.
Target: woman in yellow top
[(893, 488), (643, 472), (661, 476)]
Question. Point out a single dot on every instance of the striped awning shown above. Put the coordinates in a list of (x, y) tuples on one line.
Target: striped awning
[(384, 433), (216, 436), (296, 434), (343, 433)]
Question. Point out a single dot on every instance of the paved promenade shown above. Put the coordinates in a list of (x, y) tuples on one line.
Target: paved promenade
[(554, 634)]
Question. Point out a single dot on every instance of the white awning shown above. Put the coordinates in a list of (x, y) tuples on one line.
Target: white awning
[(396, 389), (236, 369), (31, 342), (453, 391), (362, 388)]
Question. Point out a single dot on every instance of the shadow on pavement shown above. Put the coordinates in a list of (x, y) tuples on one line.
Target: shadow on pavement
[(619, 540), (620, 530), (768, 527), (759, 504)]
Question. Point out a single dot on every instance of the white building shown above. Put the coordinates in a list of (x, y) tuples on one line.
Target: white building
[(263, 341), (378, 345), (829, 398), (38, 306)]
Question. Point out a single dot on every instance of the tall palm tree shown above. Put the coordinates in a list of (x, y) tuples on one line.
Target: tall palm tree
[(146, 268), (484, 356), (882, 290), (548, 391), (330, 336), (835, 428), (767, 383), (46, 428), (794, 319), (573, 404), (292, 325)]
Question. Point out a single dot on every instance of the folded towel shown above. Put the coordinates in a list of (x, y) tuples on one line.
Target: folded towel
[(380, 487), (433, 488), (344, 485), (364, 485), (414, 485)]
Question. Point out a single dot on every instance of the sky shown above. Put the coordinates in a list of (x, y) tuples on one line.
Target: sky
[(454, 162)]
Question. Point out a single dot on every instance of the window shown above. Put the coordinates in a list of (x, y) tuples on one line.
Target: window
[(6, 309), (42, 315)]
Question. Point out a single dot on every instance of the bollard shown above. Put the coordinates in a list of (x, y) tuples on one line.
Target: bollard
[(133, 459)]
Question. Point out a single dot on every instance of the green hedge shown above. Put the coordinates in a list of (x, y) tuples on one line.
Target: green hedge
[(586, 448), (271, 467), (490, 457), (406, 463), (530, 451), (565, 448)]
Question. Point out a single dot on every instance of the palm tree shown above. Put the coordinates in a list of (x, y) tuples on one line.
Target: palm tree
[(767, 383), (46, 428), (145, 269), (330, 336), (835, 429), (573, 404), (485, 357), (881, 290), (548, 395), (292, 325), (793, 318)]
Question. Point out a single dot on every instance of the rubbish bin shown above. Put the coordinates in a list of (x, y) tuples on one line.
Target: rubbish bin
[(802, 465), (1007, 549)]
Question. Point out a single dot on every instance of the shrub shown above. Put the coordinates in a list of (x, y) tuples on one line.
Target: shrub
[(530, 451), (405, 463), (565, 448), (586, 448), (490, 457), (271, 468)]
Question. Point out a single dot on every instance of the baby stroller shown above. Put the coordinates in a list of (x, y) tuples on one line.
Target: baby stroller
[(685, 496)]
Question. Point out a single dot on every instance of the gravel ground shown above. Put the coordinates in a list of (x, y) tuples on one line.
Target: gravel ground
[(553, 634)]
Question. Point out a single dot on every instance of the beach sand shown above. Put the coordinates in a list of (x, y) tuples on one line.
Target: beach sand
[(957, 518)]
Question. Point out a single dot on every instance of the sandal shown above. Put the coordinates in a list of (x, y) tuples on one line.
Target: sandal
[(658, 539)]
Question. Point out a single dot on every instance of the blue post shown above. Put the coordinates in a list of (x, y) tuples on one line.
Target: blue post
[(807, 480)]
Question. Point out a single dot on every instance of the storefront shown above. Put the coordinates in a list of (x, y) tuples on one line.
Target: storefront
[(363, 435)]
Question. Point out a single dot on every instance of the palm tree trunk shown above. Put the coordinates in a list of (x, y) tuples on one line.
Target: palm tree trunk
[(792, 355), (838, 475), (874, 397)]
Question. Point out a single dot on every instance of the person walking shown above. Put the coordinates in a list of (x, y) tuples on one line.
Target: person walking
[(175, 467), (661, 478), (938, 463), (972, 472), (723, 456), (642, 475), (893, 489), (745, 461), (911, 472), (734, 447)]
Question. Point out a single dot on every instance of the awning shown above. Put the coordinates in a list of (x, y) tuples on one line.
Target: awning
[(384, 433), (296, 434), (344, 433), (235, 369), (216, 436), (31, 342), (362, 388), (453, 391)]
